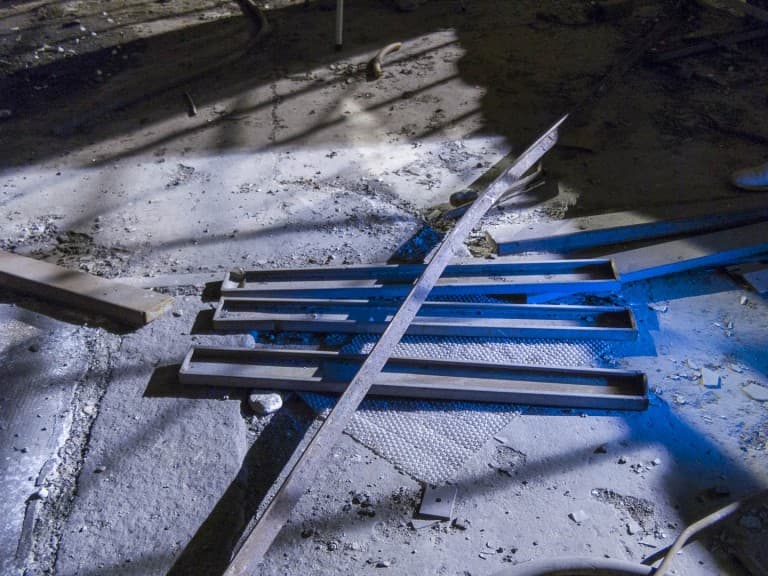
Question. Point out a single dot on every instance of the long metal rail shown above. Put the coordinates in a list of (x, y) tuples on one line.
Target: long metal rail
[(303, 473)]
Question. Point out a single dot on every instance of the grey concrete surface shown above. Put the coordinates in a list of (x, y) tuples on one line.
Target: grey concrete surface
[(294, 158)]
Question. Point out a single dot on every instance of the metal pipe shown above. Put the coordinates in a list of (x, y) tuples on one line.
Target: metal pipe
[(339, 24)]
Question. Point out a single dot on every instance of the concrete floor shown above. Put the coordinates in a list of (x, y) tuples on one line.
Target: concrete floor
[(294, 159)]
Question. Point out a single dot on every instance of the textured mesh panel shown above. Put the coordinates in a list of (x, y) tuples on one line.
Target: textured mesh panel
[(430, 441)]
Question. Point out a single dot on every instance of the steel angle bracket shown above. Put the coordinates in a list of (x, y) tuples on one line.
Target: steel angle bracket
[(315, 454)]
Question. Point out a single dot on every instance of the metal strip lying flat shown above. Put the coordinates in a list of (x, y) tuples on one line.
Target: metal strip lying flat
[(695, 252), (323, 371), (396, 281), (316, 451), (434, 318), (629, 226)]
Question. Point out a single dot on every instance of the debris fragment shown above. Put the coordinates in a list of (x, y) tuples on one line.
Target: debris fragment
[(40, 494), (262, 403), (438, 502), (756, 391), (420, 524), (460, 524), (374, 65), (634, 528), (663, 308), (191, 108), (578, 516), (710, 378)]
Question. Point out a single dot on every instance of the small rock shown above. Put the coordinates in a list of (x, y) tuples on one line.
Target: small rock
[(743, 300), (265, 403), (578, 516), (460, 524), (756, 392), (602, 449), (40, 494), (656, 461), (710, 378), (100, 469), (633, 528), (307, 532), (383, 564), (622, 460), (178, 313)]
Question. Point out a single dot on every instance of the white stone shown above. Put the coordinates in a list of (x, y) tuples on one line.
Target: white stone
[(265, 403)]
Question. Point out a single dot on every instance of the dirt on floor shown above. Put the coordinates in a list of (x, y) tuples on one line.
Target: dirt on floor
[(159, 142)]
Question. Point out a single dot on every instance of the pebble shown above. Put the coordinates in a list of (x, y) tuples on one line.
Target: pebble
[(460, 524), (262, 403), (100, 469), (578, 516), (656, 461), (383, 564), (622, 460), (756, 392), (633, 528), (40, 494)]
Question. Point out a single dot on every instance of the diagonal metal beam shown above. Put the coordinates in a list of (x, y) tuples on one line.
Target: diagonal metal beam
[(317, 449)]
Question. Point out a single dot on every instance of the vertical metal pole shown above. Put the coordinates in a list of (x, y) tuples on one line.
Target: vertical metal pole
[(339, 24)]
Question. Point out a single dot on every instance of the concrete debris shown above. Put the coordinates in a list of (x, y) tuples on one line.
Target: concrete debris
[(578, 516), (710, 378), (634, 528), (462, 524), (438, 502), (756, 391), (40, 494), (264, 403)]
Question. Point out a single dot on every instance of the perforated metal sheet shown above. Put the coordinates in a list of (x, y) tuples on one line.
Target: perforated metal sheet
[(429, 440)]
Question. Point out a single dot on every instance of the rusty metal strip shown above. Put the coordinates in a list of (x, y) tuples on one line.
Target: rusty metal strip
[(317, 449)]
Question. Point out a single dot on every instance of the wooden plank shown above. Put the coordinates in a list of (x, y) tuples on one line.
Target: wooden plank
[(324, 371), (46, 281), (702, 251), (628, 226), (434, 318), (395, 281)]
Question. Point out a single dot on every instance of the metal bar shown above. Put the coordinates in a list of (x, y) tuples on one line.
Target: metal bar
[(326, 371), (339, 24), (434, 318), (316, 451), (395, 281)]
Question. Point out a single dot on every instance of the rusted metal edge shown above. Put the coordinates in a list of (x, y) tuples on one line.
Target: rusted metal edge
[(317, 449)]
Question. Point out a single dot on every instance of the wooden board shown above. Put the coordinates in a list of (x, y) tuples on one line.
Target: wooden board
[(92, 294), (573, 234), (323, 371), (703, 251), (434, 318)]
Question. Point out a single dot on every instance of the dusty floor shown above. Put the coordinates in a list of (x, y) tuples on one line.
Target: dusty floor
[(295, 158)]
